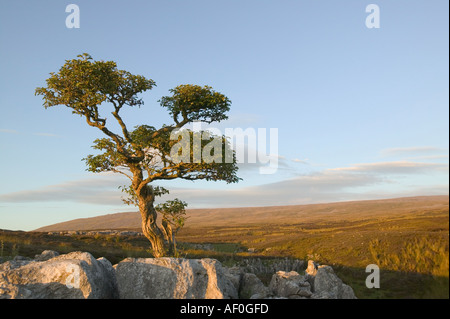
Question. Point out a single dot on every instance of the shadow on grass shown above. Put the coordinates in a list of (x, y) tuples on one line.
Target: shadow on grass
[(395, 284)]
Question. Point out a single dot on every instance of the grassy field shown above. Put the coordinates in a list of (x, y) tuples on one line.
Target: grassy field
[(412, 251), (407, 238)]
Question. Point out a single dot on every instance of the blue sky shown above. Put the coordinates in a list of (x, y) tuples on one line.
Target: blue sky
[(361, 113)]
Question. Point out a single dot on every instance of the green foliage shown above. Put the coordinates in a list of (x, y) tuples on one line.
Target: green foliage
[(110, 160), (145, 153), (174, 212), (196, 103), (83, 85), (203, 155), (131, 199)]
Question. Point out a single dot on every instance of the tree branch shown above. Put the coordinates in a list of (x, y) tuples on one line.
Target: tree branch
[(120, 172)]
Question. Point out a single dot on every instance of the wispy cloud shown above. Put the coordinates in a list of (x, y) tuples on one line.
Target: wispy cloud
[(305, 161), (102, 190), (348, 183), (428, 157), (3, 130), (317, 187), (11, 131), (314, 188), (394, 168), (412, 151), (47, 134)]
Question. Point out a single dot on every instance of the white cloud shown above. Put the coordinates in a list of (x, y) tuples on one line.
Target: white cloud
[(9, 131), (102, 190), (46, 134), (37, 134), (316, 187), (411, 151), (394, 168), (360, 181), (428, 157), (305, 161)]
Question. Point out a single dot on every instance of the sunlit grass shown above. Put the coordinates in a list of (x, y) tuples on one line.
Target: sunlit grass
[(422, 255), (410, 246)]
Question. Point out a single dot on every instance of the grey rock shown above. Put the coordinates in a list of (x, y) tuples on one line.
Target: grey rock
[(80, 275), (76, 275), (326, 282), (290, 285), (13, 264), (173, 278), (312, 268), (234, 274), (252, 287), (321, 295), (311, 272), (21, 258), (263, 295), (260, 266), (46, 255)]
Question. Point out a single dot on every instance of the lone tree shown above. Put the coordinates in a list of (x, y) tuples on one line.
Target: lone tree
[(145, 154)]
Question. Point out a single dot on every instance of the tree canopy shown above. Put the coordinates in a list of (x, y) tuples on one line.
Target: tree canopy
[(144, 154)]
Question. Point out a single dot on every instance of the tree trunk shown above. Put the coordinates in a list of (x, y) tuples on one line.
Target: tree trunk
[(149, 226), (167, 229), (174, 245)]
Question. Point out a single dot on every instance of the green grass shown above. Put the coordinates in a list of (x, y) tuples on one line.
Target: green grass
[(410, 246), (412, 250), (114, 248)]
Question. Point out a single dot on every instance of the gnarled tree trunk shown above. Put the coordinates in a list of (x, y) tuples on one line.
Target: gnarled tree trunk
[(150, 228), (170, 237)]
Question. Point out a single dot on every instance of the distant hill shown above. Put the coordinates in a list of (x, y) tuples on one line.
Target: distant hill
[(198, 218), (129, 220)]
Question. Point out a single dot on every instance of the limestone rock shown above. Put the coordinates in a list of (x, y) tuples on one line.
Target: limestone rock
[(260, 266), (76, 275), (252, 287), (290, 285), (46, 255), (322, 295), (80, 275), (310, 272), (312, 268), (327, 283), (234, 274), (173, 278), (12, 264), (21, 258)]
